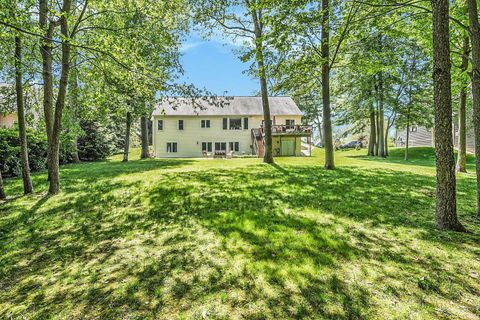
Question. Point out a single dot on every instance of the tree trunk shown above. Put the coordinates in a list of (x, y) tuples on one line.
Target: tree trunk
[(127, 136), (54, 114), (73, 106), (3, 196), (475, 38), (407, 142), (258, 27), (46, 46), (144, 132), (446, 206), (75, 156), (373, 133), (387, 130), (22, 134), (377, 135), (462, 114), (381, 117), (327, 112), (320, 129)]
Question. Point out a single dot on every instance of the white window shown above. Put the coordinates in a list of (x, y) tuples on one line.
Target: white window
[(414, 129), (205, 123), (160, 124), (220, 146), (171, 147), (235, 123), (180, 124), (245, 123), (235, 146), (290, 124), (207, 146)]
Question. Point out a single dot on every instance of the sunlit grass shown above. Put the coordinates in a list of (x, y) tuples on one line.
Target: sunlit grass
[(221, 239)]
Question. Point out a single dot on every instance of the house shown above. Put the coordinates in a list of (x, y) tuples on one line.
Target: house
[(182, 129), (7, 106), (424, 137), (7, 120)]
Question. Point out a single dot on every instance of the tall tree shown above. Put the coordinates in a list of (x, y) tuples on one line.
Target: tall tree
[(128, 125), (144, 137), (475, 39), (22, 134), (373, 133), (3, 196), (327, 112), (446, 206), (247, 20), (462, 111), (53, 110)]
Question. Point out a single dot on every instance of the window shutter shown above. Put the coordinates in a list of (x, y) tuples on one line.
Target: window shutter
[(245, 123), (225, 123)]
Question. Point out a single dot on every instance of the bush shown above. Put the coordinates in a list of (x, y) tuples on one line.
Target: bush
[(95, 144), (37, 151), (10, 151)]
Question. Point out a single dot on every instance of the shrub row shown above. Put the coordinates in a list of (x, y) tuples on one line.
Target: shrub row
[(93, 145)]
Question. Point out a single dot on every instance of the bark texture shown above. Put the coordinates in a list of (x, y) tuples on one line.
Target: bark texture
[(54, 113), (446, 206), (407, 142), (381, 117), (144, 135), (373, 133), (73, 105), (126, 149), (22, 134), (3, 196), (462, 113), (327, 112), (258, 28), (475, 38)]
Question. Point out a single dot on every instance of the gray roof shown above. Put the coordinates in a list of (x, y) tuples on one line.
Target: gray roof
[(180, 106)]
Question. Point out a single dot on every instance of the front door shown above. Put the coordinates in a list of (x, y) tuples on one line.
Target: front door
[(288, 147)]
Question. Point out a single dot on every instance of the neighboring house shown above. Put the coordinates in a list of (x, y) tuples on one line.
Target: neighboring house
[(7, 106), (424, 137), (181, 129), (8, 120)]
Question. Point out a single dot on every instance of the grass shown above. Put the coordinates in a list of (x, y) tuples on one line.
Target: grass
[(230, 239)]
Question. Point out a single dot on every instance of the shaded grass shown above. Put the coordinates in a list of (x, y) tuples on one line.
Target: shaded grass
[(224, 239)]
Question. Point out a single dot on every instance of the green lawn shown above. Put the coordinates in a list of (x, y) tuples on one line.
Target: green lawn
[(229, 239)]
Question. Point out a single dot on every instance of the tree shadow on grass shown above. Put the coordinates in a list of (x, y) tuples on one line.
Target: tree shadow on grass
[(256, 242), (255, 213), (81, 175)]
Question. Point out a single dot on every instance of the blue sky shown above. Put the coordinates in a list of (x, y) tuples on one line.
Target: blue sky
[(212, 64)]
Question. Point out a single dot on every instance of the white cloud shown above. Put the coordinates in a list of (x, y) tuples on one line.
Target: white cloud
[(187, 46)]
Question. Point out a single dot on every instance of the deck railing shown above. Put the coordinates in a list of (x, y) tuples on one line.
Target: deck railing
[(290, 129)]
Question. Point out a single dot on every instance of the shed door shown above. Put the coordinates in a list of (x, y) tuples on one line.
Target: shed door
[(288, 147)]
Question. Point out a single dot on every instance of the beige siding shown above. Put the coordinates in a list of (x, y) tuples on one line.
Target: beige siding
[(189, 141), (277, 145), (424, 137), (8, 120)]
